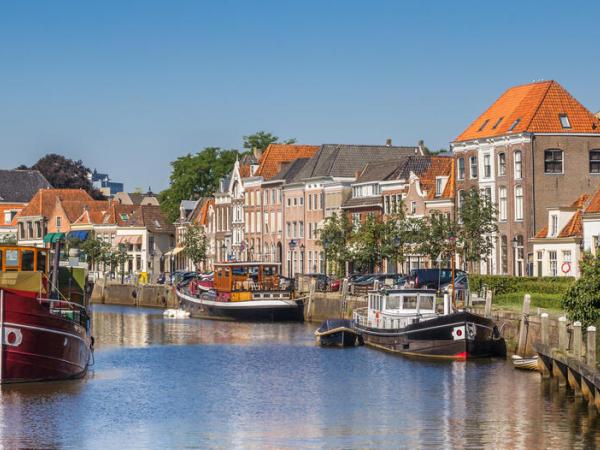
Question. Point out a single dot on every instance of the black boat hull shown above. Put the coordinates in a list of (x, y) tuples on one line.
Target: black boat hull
[(206, 307), (460, 335), (340, 339)]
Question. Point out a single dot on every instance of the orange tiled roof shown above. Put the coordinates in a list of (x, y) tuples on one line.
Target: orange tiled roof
[(574, 226), (276, 154), (92, 212), (542, 233), (580, 202), (537, 107), (245, 170), (440, 167), (44, 200), (10, 207), (594, 206)]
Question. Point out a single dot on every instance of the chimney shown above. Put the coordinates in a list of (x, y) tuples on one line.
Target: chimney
[(257, 153), (357, 174), (388, 142)]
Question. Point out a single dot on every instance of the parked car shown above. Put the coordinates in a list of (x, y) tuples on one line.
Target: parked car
[(162, 278), (335, 284), (433, 278), (322, 281)]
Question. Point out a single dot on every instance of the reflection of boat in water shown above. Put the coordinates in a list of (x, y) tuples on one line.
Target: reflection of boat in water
[(44, 325), (406, 321), (243, 291), (338, 332)]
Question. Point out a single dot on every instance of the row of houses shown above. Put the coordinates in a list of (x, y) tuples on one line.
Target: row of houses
[(535, 152), (30, 210)]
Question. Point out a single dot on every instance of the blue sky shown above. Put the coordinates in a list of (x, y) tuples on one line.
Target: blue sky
[(129, 86)]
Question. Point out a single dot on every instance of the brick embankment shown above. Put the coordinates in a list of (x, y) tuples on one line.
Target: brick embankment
[(149, 295)]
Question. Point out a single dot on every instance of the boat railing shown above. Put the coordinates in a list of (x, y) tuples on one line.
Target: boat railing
[(387, 321), (250, 285)]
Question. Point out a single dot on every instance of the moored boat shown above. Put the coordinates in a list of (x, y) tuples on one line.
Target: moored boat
[(45, 333), (338, 332), (406, 321), (246, 291)]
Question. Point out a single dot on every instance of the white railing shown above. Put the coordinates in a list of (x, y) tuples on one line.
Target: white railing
[(386, 321)]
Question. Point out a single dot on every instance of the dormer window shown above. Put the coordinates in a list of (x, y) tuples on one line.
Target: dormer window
[(497, 123), (439, 186), (483, 125), (554, 225), (515, 123), (564, 120)]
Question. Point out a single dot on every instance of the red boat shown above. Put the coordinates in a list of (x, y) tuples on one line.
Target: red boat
[(45, 330)]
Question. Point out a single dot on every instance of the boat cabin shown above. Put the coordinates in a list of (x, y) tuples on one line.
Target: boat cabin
[(23, 259), (397, 308), (246, 276)]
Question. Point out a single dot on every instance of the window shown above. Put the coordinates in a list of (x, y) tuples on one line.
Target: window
[(438, 186), (483, 125), (553, 263), (413, 208), (553, 161), (356, 220), (266, 197), (58, 222), (518, 203), (461, 198), (514, 124), (487, 166), (273, 196), (497, 123), (461, 168), (301, 229), (295, 201), (518, 165), (564, 121), (540, 262), (124, 217), (294, 229), (595, 161), (501, 164), (309, 202), (502, 204), (473, 166), (566, 255), (504, 253), (301, 201), (27, 260), (554, 225), (289, 202), (288, 227)]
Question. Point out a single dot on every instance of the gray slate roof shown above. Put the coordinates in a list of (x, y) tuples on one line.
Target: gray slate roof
[(399, 168), (292, 172), (19, 186), (343, 161)]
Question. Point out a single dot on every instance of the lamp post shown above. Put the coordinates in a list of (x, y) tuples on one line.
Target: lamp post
[(397, 244), (223, 250), (292, 246), (452, 242), (302, 259)]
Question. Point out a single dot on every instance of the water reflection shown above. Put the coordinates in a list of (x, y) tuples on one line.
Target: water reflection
[(164, 383)]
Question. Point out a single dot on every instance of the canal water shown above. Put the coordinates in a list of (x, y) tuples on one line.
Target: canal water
[(166, 383)]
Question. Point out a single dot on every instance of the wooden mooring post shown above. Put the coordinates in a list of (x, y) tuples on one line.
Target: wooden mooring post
[(573, 363), (524, 327), (488, 304)]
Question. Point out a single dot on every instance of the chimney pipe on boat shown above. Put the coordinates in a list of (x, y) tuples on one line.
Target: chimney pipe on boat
[(446, 303)]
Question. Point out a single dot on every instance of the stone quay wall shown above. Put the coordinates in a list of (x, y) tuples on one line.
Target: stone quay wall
[(147, 295)]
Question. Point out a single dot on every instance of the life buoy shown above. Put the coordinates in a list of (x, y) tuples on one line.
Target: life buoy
[(566, 267)]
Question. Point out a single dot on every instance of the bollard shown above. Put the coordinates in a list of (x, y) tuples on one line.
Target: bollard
[(591, 346), (488, 304), (577, 339), (545, 335), (562, 334), (522, 347)]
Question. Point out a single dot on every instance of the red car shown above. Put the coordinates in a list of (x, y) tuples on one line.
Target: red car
[(335, 284)]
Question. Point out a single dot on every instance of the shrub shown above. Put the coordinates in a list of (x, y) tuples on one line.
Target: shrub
[(582, 299), (504, 284)]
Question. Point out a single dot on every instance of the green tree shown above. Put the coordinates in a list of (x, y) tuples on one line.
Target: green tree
[(367, 244), (475, 227), (434, 237), (195, 244), (261, 140), (94, 249), (335, 237), (195, 176), (582, 299), (400, 236)]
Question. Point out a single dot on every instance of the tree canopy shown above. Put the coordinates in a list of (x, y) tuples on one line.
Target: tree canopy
[(582, 299), (195, 176), (261, 140), (65, 173), (195, 244)]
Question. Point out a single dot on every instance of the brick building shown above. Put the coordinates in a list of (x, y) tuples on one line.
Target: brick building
[(534, 148)]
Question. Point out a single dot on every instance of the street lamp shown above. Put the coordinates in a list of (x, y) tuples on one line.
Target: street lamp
[(515, 245), (292, 246), (223, 250), (397, 244), (302, 258), (325, 247)]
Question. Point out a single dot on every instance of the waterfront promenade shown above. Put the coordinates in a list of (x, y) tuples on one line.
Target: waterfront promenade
[(160, 383)]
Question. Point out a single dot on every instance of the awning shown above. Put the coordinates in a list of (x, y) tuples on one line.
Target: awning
[(133, 240), (53, 238), (174, 251), (82, 235)]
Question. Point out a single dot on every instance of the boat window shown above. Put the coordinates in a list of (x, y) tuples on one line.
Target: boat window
[(41, 261), (425, 302), (410, 302), (12, 259), (239, 271), (392, 303), (27, 259), (268, 271)]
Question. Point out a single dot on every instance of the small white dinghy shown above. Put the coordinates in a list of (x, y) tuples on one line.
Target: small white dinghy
[(176, 314), (520, 362)]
